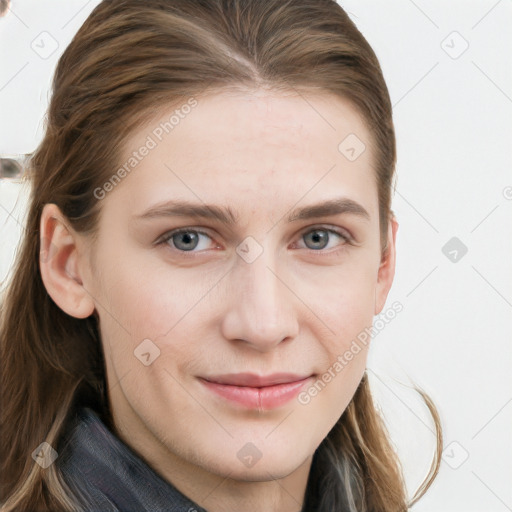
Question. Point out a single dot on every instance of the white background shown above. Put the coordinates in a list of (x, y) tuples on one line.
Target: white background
[(453, 112)]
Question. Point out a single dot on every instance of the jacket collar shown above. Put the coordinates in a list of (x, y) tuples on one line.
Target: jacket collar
[(108, 475)]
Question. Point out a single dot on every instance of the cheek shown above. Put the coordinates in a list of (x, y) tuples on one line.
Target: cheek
[(344, 303), (149, 301), (160, 316), (331, 392), (345, 309)]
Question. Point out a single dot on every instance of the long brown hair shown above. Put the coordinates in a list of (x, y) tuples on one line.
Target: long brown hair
[(128, 59)]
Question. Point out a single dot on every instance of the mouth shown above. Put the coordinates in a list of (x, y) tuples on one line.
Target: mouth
[(256, 381), (256, 392)]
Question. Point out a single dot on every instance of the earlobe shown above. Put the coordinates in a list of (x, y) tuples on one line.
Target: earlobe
[(386, 270), (58, 262)]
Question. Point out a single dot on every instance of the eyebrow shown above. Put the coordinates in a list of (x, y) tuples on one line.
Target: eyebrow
[(225, 215)]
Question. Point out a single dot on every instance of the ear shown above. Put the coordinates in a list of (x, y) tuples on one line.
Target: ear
[(58, 261), (386, 271)]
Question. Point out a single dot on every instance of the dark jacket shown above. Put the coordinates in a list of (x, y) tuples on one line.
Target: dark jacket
[(107, 475)]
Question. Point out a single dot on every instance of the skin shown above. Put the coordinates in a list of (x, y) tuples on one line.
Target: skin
[(295, 308)]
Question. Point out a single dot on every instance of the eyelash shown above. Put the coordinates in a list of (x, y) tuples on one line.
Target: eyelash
[(347, 239)]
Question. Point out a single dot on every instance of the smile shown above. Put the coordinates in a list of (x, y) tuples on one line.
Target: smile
[(267, 397)]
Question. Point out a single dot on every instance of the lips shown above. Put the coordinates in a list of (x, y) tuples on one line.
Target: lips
[(252, 391), (256, 381)]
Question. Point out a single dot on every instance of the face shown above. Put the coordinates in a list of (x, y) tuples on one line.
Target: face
[(261, 289)]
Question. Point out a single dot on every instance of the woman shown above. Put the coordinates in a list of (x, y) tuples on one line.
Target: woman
[(209, 235)]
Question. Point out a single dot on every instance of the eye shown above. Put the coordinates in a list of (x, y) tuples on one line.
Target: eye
[(188, 239), (185, 239), (318, 239)]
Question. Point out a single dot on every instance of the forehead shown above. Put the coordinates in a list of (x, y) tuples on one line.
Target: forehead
[(258, 147)]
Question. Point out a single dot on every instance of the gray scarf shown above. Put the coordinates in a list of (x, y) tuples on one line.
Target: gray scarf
[(108, 476)]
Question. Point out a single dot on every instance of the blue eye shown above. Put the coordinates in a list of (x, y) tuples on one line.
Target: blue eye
[(188, 239), (322, 236), (185, 239)]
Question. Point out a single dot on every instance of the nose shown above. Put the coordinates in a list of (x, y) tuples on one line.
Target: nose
[(262, 306)]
